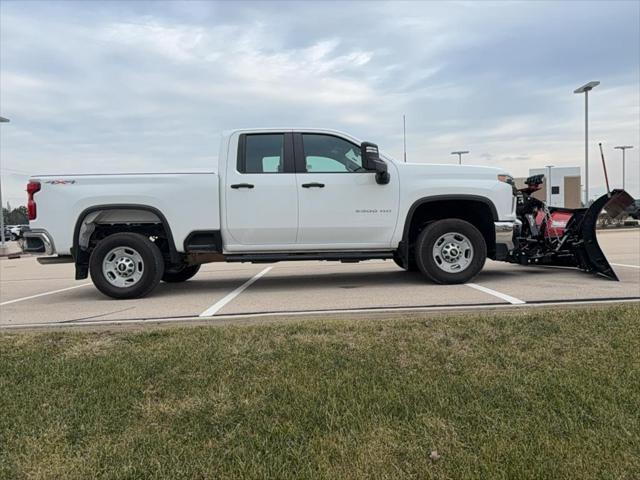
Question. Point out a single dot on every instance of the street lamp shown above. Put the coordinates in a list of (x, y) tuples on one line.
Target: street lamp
[(623, 148), (586, 88), (460, 153), (2, 245)]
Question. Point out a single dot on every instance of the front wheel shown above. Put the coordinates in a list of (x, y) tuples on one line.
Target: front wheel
[(126, 265), (450, 251)]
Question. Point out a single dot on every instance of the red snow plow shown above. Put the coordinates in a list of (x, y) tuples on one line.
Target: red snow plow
[(562, 236)]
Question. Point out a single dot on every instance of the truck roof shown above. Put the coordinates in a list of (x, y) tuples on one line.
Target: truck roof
[(228, 133)]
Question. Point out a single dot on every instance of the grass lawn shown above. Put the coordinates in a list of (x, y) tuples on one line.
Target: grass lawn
[(545, 394)]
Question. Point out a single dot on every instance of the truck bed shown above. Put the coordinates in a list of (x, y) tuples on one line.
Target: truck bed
[(188, 201)]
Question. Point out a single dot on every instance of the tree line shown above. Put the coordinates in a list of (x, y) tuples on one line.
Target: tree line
[(15, 216)]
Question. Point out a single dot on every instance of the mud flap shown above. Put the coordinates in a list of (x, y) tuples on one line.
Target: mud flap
[(587, 250)]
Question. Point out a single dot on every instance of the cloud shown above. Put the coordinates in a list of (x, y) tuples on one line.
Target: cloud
[(240, 67)]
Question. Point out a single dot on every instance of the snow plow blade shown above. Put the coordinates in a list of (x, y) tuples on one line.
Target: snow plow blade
[(563, 236), (582, 228)]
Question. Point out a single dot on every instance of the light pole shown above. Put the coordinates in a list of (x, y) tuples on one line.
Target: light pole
[(460, 153), (623, 148), (586, 88), (2, 245), (549, 167)]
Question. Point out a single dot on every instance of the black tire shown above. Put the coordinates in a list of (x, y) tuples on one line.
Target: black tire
[(180, 273), (429, 266), (152, 265), (413, 267)]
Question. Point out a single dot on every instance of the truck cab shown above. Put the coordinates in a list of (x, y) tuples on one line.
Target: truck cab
[(303, 191)]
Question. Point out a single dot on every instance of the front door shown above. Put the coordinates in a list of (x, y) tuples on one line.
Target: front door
[(340, 204), (261, 192)]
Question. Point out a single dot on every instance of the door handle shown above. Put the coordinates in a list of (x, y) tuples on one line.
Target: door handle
[(313, 184), (241, 185)]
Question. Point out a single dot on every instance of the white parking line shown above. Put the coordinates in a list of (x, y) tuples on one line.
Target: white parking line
[(623, 265), (503, 296), (213, 309), (43, 294)]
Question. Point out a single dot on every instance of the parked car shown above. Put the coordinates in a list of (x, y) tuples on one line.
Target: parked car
[(16, 231), (295, 194), (13, 232), (7, 233)]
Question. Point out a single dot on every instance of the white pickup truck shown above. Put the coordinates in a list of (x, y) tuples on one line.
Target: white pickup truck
[(277, 194)]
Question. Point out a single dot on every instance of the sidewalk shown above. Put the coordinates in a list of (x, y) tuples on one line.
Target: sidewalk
[(10, 249)]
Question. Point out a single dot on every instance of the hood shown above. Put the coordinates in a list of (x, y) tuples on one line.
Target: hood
[(448, 170)]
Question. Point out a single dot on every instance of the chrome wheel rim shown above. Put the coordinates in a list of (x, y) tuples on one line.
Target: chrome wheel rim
[(452, 252), (123, 267)]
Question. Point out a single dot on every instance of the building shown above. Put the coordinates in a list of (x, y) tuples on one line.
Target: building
[(565, 186)]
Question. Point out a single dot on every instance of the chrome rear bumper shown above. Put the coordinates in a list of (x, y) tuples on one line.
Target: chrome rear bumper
[(37, 241)]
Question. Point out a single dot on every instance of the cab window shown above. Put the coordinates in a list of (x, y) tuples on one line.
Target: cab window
[(261, 153), (329, 154)]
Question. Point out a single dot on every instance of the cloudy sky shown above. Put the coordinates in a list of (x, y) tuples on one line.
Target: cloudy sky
[(148, 86)]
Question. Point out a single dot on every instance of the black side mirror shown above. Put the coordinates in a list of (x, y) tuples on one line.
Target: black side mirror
[(371, 161)]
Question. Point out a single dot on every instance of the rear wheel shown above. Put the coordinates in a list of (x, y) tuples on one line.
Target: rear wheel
[(450, 251), (126, 265), (179, 273)]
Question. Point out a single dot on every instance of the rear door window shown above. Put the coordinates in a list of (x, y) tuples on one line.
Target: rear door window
[(261, 153)]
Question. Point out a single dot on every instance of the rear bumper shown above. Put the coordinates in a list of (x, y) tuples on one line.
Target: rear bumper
[(505, 231), (37, 241)]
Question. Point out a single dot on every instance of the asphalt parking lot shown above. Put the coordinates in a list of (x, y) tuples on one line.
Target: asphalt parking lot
[(37, 295)]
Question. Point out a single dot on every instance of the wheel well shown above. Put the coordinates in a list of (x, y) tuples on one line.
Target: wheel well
[(475, 212), (98, 223)]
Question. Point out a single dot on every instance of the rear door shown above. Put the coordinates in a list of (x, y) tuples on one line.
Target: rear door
[(340, 204), (261, 192)]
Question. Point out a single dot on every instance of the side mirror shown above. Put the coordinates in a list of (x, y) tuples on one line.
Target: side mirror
[(371, 161)]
